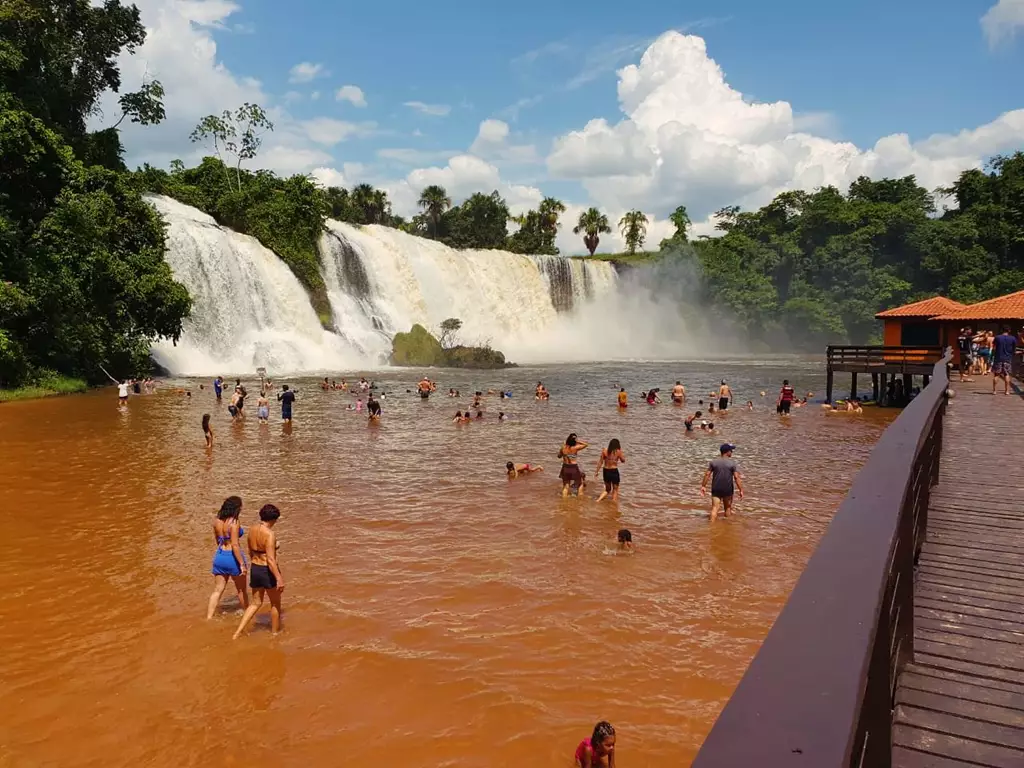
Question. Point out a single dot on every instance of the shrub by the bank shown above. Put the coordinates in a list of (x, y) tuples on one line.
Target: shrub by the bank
[(46, 385)]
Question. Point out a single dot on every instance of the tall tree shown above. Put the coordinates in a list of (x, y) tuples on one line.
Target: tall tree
[(592, 223), (681, 221), (633, 226), (434, 201), (550, 209), (238, 134)]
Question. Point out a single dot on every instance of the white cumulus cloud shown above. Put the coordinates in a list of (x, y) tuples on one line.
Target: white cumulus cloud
[(689, 137), (492, 142), (435, 110), (306, 72), (328, 131), (1002, 21), (352, 94)]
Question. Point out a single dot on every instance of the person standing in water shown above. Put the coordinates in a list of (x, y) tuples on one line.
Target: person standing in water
[(265, 577), (228, 562), (570, 473), (786, 397), (424, 388), (724, 396), (725, 480), (609, 462), (122, 393), (207, 431), (287, 400), (373, 408), (263, 408), (623, 398), (688, 421), (218, 387), (678, 394)]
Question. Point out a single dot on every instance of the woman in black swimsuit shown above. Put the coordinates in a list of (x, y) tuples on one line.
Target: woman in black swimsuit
[(609, 466), (265, 577)]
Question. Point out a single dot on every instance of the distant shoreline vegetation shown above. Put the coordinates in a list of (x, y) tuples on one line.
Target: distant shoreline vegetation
[(84, 284), (421, 349)]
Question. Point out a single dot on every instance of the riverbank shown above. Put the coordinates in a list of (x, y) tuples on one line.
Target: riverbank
[(51, 386)]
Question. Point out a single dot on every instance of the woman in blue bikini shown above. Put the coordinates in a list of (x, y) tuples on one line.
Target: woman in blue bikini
[(228, 562)]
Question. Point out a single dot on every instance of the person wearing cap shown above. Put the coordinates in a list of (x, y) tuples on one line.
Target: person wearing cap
[(725, 479)]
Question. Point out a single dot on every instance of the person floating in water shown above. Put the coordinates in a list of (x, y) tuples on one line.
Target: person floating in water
[(515, 470), (724, 396), (541, 392), (625, 540), (597, 751), (678, 393), (570, 473), (725, 479), (265, 577), (502, 416), (608, 464), (287, 399), (373, 408), (228, 562), (623, 398), (688, 421), (207, 430)]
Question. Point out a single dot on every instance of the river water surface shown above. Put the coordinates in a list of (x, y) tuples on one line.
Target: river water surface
[(435, 614)]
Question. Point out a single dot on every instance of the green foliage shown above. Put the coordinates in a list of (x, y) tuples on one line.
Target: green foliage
[(417, 348), (480, 222), (592, 223), (449, 330), (537, 229), (681, 220), (434, 201), (814, 268), (633, 226), (237, 134), (47, 384)]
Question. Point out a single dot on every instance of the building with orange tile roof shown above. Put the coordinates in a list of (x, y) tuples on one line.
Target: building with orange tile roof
[(910, 326)]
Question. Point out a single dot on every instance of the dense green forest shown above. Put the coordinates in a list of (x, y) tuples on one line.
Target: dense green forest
[(84, 287)]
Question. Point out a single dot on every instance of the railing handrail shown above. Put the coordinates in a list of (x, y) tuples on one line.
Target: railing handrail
[(800, 701)]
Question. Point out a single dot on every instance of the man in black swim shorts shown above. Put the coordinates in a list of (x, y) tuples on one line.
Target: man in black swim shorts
[(725, 478)]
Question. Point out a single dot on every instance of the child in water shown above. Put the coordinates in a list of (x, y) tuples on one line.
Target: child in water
[(625, 540), (515, 470), (599, 749), (207, 430)]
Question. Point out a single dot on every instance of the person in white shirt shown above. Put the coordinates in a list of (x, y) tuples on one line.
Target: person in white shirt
[(122, 392)]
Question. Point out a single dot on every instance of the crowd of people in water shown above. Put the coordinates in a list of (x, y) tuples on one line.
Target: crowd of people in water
[(257, 567)]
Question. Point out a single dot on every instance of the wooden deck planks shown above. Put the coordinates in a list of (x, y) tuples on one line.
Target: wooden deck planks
[(961, 703)]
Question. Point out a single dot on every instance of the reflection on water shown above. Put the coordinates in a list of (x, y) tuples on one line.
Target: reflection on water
[(435, 613)]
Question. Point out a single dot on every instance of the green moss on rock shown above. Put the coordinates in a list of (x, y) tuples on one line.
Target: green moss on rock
[(417, 348)]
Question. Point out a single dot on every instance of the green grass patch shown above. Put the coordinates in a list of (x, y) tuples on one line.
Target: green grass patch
[(47, 386)]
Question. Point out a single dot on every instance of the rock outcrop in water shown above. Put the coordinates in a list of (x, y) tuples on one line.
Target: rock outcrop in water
[(419, 348)]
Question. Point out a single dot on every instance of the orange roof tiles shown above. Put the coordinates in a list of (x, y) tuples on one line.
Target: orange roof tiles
[(937, 305), (1009, 307)]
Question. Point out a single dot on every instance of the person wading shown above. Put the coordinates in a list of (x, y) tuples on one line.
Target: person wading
[(725, 479)]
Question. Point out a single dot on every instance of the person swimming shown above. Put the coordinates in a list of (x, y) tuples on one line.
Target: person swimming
[(502, 416), (625, 540), (207, 431), (514, 470), (609, 462), (228, 562), (598, 750)]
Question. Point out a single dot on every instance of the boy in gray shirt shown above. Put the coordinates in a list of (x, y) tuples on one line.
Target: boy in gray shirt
[(725, 479)]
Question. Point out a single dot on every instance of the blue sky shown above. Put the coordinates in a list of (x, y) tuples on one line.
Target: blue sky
[(850, 72)]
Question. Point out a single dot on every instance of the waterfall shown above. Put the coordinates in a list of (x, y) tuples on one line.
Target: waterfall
[(248, 308), (381, 280)]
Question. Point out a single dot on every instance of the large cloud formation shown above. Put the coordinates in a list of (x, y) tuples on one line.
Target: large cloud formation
[(689, 137)]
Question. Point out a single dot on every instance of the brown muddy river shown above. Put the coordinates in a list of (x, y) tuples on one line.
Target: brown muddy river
[(435, 613)]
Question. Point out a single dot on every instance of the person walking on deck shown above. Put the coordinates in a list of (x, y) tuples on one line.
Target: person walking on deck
[(1004, 348)]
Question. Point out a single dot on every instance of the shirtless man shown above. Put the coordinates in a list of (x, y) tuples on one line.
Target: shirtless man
[(678, 394), (724, 396), (424, 387)]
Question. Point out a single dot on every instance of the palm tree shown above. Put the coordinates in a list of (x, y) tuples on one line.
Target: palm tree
[(381, 207), (362, 200), (549, 210), (592, 224), (681, 219), (633, 227), (434, 201)]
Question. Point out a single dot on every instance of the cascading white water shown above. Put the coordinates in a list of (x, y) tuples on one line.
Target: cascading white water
[(383, 280), (248, 308)]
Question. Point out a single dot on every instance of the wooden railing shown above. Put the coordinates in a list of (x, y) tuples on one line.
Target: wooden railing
[(819, 693), (907, 358)]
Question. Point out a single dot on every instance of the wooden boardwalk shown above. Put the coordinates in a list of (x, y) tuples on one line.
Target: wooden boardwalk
[(961, 702)]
